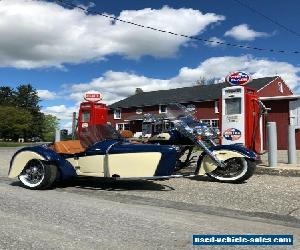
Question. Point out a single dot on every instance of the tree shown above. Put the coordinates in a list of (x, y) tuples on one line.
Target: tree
[(50, 124), (7, 97), (138, 91), (15, 122), (32, 123), (27, 97), (204, 81)]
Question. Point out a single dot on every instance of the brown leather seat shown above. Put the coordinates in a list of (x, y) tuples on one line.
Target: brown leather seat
[(68, 147)]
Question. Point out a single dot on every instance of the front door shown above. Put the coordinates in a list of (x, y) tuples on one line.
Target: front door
[(136, 126)]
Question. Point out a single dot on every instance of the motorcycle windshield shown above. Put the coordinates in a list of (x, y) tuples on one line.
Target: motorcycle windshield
[(178, 113), (96, 133)]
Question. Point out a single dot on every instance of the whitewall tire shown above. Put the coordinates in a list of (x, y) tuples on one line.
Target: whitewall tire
[(238, 170), (38, 174)]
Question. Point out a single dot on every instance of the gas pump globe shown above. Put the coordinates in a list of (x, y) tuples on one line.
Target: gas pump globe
[(240, 121)]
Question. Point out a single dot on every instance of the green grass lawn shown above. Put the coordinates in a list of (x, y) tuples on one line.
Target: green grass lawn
[(14, 144)]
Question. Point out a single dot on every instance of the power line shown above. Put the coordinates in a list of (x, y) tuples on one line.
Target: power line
[(197, 38), (268, 18)]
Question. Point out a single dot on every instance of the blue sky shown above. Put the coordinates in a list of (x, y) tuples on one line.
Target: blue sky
[(64, 52)]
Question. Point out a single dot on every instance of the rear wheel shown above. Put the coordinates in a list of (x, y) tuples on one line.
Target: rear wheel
[(38, 175), (237, 170)]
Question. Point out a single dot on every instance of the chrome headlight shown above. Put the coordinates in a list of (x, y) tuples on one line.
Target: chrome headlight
[(208, 133), (204, 131)]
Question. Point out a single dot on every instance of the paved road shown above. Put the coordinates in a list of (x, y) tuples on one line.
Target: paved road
[(5, 156), (97, 214), (78, 218)]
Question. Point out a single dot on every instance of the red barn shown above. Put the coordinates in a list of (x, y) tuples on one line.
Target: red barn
[(204, 99)]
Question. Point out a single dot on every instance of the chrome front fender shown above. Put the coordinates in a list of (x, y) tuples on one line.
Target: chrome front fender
[(206, 164)]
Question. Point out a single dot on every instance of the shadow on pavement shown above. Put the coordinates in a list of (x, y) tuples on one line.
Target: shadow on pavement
[(95, 183), (114, 185), (208, 179), (202, 178)]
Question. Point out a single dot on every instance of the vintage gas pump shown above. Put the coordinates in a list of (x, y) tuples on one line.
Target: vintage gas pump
[(91, 112), (241, 113)]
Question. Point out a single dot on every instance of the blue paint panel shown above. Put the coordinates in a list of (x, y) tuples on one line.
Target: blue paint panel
[(65, 167), (167, 162), (100, 148)]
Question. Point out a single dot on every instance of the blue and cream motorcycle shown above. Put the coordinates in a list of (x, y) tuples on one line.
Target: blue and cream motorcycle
[(101, 152)]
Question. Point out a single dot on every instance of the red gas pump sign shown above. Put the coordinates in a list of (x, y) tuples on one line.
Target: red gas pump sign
[(93, 96)]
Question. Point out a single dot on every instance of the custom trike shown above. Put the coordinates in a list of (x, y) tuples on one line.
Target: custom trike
[(102, 152)]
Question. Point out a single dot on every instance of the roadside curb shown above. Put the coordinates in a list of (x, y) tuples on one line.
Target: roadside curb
[(284, 170)]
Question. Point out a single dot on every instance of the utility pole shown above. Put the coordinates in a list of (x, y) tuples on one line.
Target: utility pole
[(73, 125)]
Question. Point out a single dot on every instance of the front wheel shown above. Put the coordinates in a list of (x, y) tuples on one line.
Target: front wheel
[(38, 175), (237, 170)]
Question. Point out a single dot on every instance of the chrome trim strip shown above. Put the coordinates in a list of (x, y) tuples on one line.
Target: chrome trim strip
[(154, 177)]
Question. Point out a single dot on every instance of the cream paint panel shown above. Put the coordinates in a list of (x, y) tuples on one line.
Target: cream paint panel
[(73, 161), (20, 162), (134, 164), (91, 165), (208, 165)]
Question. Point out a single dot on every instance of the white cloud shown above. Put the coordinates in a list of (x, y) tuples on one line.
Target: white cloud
[(214, 42), (88, 6), (43, 34), (118, 85), (62, 112), (243, 32), (219, 67), (67, 125), (45, 94)]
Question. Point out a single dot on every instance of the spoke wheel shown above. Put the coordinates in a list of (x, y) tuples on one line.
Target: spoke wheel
[(33, 174), (38, 175), (237, 170)]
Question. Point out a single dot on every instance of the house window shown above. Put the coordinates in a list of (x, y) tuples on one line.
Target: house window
[(214, 123), (85, 116), (117, 114), (216, 107), (122, 126), (162, 109), (280, 87)]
